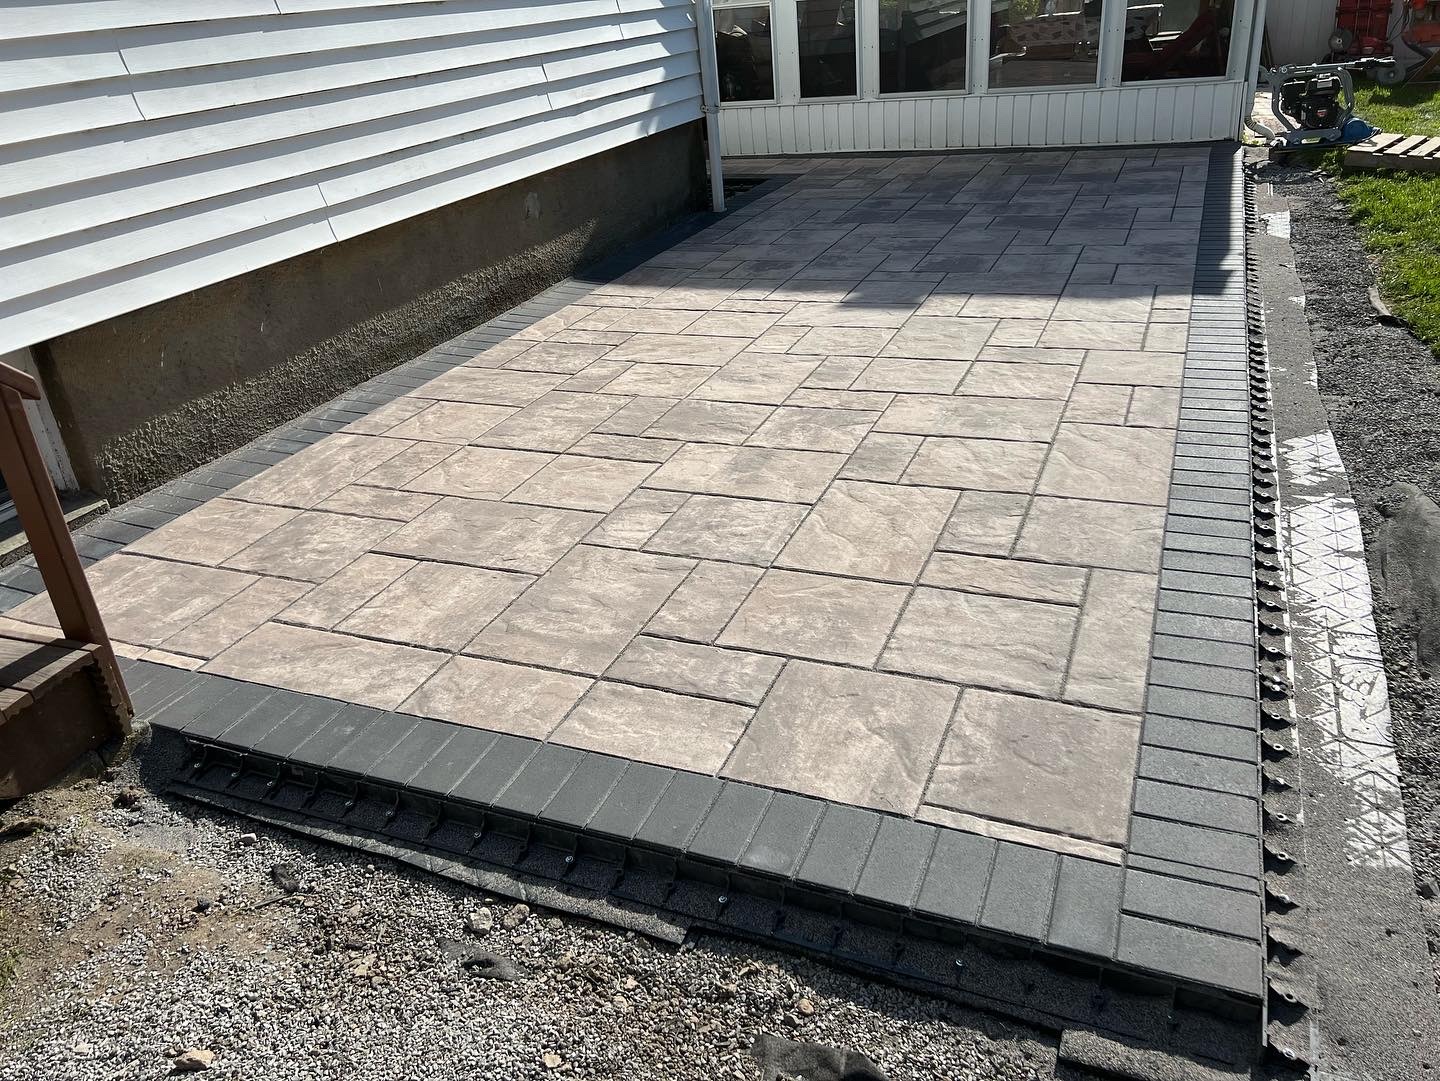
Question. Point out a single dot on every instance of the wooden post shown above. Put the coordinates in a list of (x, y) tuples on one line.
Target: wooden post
[(38, 508)]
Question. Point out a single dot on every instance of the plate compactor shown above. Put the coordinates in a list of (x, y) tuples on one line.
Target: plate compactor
[(1315, 104)]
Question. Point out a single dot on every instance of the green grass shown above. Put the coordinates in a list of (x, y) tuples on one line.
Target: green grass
[(1399, 213)]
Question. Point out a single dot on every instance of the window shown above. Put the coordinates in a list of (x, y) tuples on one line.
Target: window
[(827, 48), (1177, 39), (1045, 43), (923, 45), (744, 60)]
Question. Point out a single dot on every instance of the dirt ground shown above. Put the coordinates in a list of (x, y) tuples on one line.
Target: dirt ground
[(1381, 389), (135, 927)]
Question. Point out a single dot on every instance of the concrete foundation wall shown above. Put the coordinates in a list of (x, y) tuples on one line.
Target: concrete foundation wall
[(154, 393)]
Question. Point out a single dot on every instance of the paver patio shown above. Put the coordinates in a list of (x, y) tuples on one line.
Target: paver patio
[(860, 496)]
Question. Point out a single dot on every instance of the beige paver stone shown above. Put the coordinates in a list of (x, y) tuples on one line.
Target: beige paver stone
[(1086, 533), (837, 314), (993, 465), (1005, 577), (1090, 303), (705, 602), (940, 337), (805, 428), (627, 448), (698, 296), (378, 674), (850, 341), (490, 386), (1134, 368), (764, 378), (381, 419), (481, 472), (816, 616), (635, 520), (333, 600), (397, 471), (436, 605), (746, 325), (996, 379), (856, 737), (1099, 461), (312, 546), (144, 600), (596, 376), (794, 476), (1002, 354), (821, 398), (659, 380), (1096, 403), (496, 355), (451, 422), (654, 320), (735, 530), (213, 531), (482, 533), (565, 357), (869, 530), (1041, 764), (1112, 649), (635, 416), (1081, 334), (371, 502), (836, 373), (1008, 306), (1017, 332), (1170, 337), (710, 422), (881, 456), (777, 340), (983, 641), (690, 668), (583, 483), (655, 726), (984, 523), (912, 376), (225, 625), (709, 350), (308, 477), (581, 615), (1026, 419), (500, 697), (554, 422), (1155, 407)]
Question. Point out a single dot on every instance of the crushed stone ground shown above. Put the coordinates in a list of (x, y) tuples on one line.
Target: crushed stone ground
[(108, 970)]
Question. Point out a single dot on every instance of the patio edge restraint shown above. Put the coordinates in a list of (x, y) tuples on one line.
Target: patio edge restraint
[(1161, 948)]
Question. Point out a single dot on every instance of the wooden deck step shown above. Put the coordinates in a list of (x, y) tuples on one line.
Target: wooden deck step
[(1414, 153)]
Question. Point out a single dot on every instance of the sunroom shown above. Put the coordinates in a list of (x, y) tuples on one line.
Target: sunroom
[(821, 76)]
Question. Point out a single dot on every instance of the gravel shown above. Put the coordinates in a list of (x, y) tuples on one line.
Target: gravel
[(1381, 389), (145, 935)]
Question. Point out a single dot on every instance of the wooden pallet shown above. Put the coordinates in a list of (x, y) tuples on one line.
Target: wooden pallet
[(1418, 153)]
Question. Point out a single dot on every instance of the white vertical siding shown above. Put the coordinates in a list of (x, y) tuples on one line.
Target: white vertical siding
[(1299, 30), (1156, 113), (150, 147)]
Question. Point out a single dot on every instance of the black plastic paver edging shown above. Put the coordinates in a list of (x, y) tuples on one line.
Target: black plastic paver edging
[(1192, 874), (892, 871)]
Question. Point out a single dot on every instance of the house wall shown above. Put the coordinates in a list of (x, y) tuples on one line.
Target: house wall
[(152, 147), (1104, 112), (1299, 30), (217, 213)]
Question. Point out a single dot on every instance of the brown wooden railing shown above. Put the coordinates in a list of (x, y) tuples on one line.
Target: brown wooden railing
[(38, 509)]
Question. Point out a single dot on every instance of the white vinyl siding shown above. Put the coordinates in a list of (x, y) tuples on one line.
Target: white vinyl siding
[(151, 147)]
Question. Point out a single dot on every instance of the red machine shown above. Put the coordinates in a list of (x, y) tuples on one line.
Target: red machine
[(1362, 28)]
